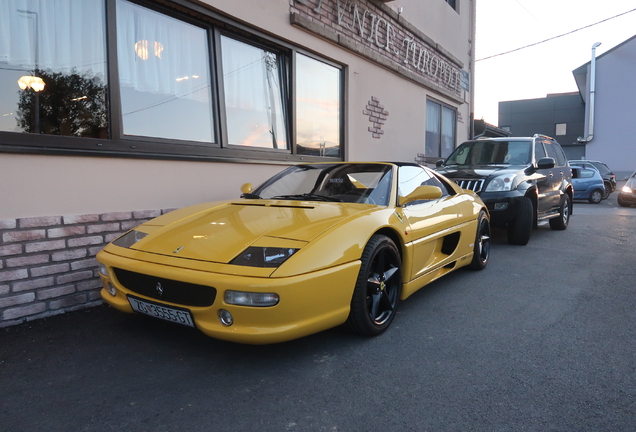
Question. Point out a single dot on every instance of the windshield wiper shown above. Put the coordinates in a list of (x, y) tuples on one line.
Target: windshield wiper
[(250, 196), (308, 196)]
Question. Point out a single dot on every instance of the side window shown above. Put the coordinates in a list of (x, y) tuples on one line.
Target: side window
[(539, 151), (552, 153), (586, 173), (561, 159), (410, 177)]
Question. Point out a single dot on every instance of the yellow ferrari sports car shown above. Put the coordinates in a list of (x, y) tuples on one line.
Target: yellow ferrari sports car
[(314, 247)]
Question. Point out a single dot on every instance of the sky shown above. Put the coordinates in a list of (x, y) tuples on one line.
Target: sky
[(534, 72)]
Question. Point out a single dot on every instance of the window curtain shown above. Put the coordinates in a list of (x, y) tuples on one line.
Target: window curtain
[(433, 128), (53, 34), (162, 55), (448, 131)]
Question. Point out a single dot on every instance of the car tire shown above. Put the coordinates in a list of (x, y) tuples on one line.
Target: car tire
[(596, 196), (608, 190), (378, 288), (481, 251), (560, 223), (520, 228), (621, 202)]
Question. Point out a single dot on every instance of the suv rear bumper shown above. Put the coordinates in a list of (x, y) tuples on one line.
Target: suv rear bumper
[(502, 206)]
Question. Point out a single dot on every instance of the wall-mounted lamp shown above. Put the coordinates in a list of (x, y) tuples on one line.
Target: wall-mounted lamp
[(36, 83), (141, 49)]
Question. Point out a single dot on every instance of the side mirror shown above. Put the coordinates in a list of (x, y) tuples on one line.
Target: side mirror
[(546, 163), (246, 188), (422, 193), (439, 163)]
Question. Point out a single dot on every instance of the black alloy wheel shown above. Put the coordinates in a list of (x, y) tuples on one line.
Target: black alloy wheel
[(481, 251), (378, 288)]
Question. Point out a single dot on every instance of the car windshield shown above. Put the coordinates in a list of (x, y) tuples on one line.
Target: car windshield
[(351, 183), (491, 153)]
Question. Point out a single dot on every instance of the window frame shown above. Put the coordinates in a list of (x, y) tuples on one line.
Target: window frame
[(145, 147), (442, 105)]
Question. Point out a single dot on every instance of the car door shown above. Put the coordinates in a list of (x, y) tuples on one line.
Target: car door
[(544, 187), (562, 173), (554, 177), (429, 222)]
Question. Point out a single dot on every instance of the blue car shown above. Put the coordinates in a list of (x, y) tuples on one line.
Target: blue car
[(588, 184)]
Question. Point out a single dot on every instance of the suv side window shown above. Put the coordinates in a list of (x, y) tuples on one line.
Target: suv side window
[(561, 159), (555, 152), (539, 151)]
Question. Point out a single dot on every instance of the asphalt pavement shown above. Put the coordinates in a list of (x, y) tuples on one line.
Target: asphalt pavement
[(542, 340)]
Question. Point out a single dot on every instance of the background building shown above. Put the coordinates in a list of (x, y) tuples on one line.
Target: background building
[(613, 138), (608, 135), (116, 111), (560, 116)]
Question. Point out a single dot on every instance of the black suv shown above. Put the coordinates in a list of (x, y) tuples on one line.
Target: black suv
[(523, 181)]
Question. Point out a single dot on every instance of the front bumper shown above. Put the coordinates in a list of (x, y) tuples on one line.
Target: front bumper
[(309, 303), (629, 198), (502, 206)]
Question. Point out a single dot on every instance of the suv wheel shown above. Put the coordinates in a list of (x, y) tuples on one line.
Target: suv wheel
[(560, 223), (519, 229)]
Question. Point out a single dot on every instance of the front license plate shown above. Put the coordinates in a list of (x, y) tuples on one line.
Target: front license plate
[(180, 316)]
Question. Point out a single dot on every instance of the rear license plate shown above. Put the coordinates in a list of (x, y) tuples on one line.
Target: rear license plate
[(177, 315)]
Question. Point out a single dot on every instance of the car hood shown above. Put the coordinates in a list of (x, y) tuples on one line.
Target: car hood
[(478, 171), (219, 233)]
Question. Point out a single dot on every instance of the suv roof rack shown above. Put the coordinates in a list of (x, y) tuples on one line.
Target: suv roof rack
[(542, 136)]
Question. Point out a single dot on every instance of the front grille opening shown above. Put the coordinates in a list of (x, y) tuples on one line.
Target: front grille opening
[(167, 290), (475, 185)]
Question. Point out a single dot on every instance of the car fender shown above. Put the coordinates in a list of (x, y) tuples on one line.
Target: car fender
[(342, 243)]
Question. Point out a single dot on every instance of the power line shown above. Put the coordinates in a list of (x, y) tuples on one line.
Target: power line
[(555, 37)]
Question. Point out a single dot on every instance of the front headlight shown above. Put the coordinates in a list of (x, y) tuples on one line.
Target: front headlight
[(627, 189), (500, 183), (129, 239), (263, 256)]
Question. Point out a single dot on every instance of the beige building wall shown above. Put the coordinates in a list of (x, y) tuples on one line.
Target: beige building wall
[(56, 212)]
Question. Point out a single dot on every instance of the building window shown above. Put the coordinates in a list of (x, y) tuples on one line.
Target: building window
[(454, 4), (561, 129), (180, 85), (318, 113), (440, 129), (53, 81), (164, 76), (254, 107)]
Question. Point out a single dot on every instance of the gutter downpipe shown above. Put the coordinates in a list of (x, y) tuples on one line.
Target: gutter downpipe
[(591, 95)]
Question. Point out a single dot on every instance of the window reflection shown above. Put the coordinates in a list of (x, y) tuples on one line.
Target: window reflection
[(164, 75), (51, 80), (440, 130), (253, 96), (317, 107)]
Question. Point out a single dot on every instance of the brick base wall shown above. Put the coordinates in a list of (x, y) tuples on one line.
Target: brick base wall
[(48, 266)]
